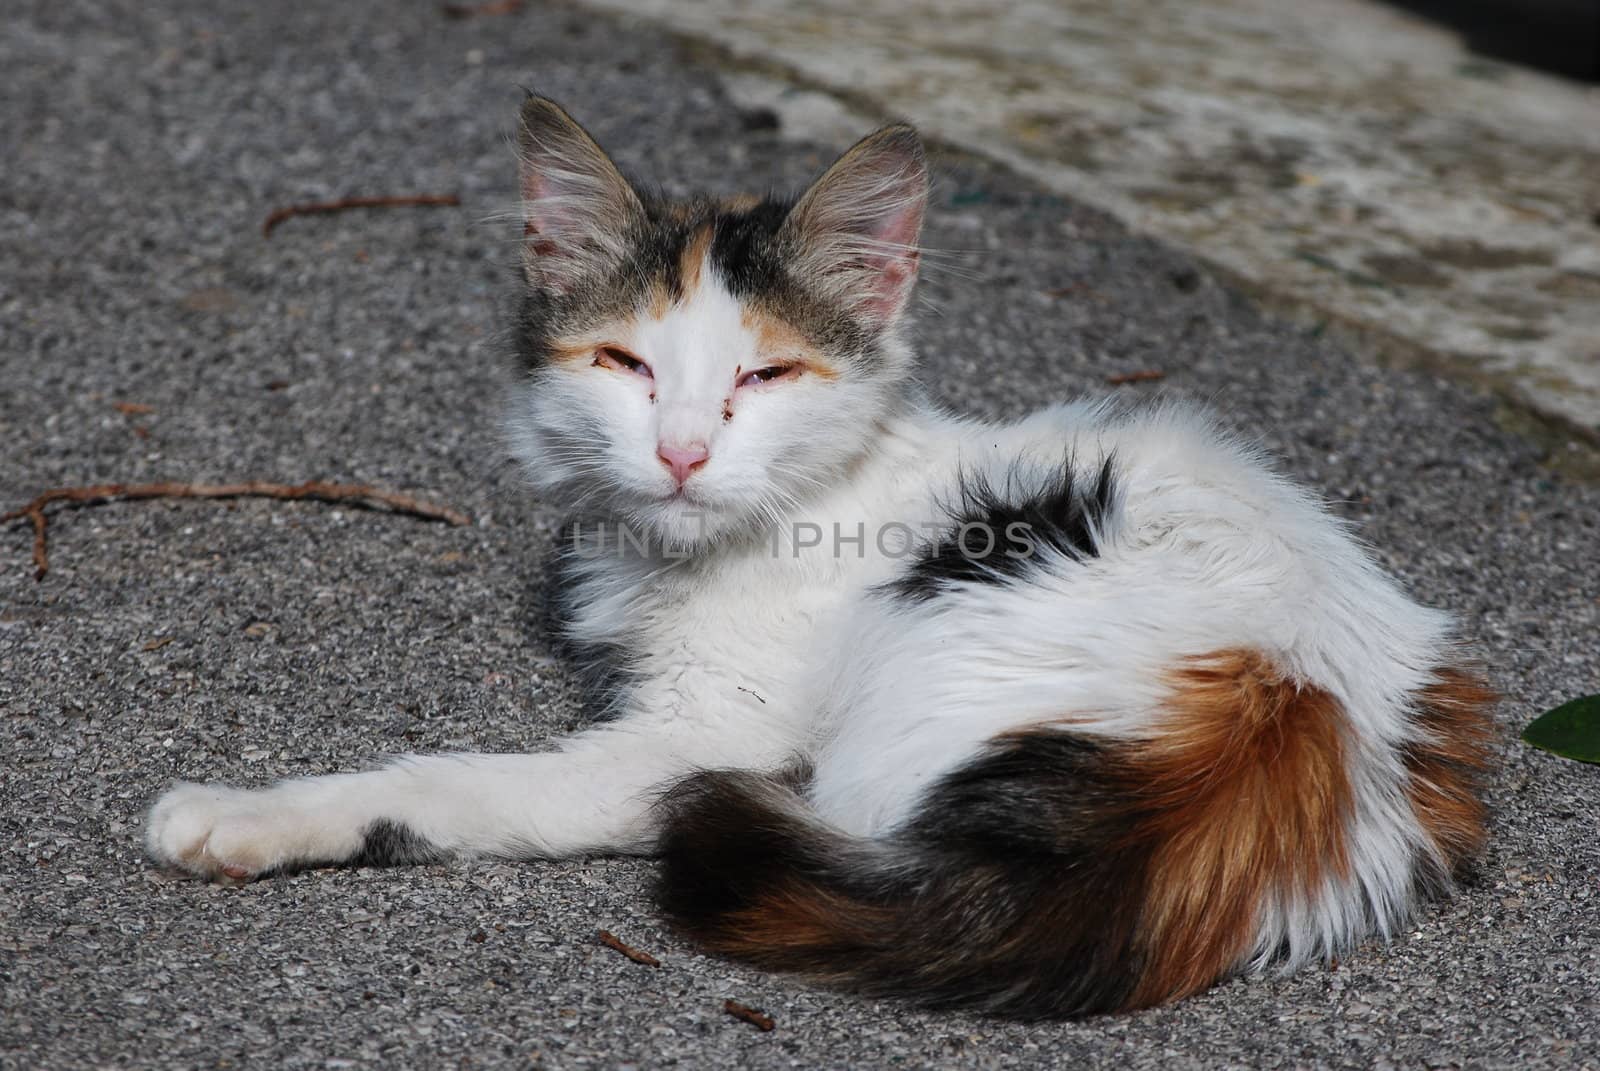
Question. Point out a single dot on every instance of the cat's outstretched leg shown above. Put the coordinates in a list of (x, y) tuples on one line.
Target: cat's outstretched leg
[(595, 794)]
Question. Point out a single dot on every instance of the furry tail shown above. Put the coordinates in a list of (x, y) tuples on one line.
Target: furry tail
[(1054, 875)]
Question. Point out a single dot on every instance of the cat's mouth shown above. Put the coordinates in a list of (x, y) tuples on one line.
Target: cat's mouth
[(688, 518), (686, 494), (684, 501)]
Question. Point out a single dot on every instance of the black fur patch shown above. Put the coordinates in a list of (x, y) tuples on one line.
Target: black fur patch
[(733, 836), (602, 671), (744, 249), (997, 535), (1015, 891), (388, 843), (383, 843), (751, 257)]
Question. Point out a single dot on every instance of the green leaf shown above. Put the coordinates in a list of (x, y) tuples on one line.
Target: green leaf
[(1571, 730)]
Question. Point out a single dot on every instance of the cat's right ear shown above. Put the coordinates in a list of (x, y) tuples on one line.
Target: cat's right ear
[(576, 206)]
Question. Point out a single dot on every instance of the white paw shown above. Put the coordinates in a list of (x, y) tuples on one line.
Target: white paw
[(221, 833)]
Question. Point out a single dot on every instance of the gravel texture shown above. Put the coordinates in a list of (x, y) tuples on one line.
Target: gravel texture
[(144, 145)]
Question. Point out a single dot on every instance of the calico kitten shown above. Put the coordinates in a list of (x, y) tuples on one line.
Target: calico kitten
[(1088, 710)]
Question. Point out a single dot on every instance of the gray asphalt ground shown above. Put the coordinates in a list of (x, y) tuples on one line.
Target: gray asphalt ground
[(142, 147)]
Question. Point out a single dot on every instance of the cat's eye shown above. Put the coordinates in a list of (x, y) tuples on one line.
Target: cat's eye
[(620, 360), (770, 374)]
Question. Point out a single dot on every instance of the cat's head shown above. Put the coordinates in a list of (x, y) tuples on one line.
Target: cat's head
[(693, 367)]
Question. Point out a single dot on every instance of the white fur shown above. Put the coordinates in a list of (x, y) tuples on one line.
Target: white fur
[(750, 649)]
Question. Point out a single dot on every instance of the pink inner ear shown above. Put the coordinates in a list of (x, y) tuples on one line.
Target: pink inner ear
[(891, 287), (537, 194), (543, 246), (552, 230), (901, 228), (895, 269)]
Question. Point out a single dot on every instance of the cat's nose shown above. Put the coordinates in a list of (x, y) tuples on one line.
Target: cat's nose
[(682, 460)]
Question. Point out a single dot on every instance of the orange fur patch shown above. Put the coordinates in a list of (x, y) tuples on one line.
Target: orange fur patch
[(581, 347), (658, 299), (680, 211), (566, 351), (778, 341), (1448, 760), (692, 264), (794, 918), (1245, 797)]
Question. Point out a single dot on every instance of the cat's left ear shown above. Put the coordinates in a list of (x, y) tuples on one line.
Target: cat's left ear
[(856, 229), (577, 208)]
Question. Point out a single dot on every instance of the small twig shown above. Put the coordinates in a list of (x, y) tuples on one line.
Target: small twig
[(494, 7), (611, 940), (317, 208), (1076, 290), (1145, 376), (41, 561), (754, 1016), (101, 494), (751, 691)]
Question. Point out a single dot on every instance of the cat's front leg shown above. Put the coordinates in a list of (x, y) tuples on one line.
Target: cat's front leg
[(595, 794)]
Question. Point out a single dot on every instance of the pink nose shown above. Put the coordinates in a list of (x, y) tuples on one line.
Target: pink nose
[(682, 460)]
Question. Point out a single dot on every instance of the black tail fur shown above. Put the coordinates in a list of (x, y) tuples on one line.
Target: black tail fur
[(1014, 892)]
